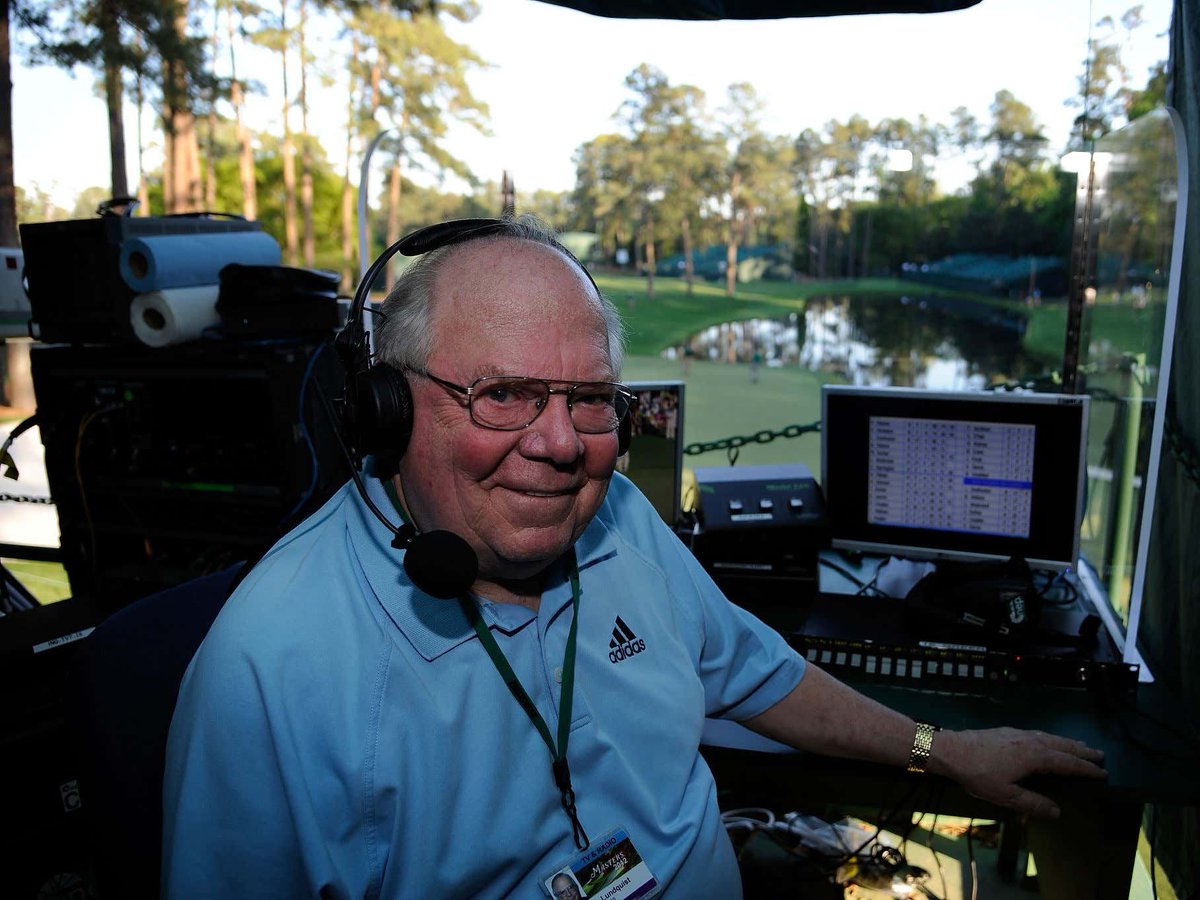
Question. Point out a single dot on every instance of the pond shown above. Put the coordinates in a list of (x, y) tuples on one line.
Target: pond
[(908, 340)]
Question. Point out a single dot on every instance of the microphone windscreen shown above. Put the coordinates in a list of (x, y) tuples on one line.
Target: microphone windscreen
[(441, 564)]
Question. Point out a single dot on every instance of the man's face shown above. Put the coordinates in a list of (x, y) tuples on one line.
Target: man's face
[(519, 498), (565, 888)]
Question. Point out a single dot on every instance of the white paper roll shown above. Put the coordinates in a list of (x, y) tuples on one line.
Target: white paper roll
[(174, 315)]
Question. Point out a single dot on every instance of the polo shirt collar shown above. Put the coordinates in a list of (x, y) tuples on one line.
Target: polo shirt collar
[(434, 627)]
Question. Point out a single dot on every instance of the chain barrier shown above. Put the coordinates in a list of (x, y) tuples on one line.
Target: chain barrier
[(732, 445), (19, 498)]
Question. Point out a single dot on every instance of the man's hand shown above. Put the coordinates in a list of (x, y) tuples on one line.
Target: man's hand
[(990, 763), (824, 715)]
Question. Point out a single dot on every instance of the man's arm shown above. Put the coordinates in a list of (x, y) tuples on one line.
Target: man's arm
[(825, 716)]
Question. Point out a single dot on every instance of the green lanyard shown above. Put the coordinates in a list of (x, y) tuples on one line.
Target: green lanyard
[(559, 767)]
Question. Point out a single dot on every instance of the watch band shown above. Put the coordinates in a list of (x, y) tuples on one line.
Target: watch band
[(922, 745)]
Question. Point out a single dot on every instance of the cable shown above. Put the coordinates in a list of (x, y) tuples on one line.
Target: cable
[(843, 571), (301, 420), (5, 458), (1058, 591), (354, 473), (84, 423), (870, 585), (971, 858), (1150, 841), (744, 817), (941, 866)]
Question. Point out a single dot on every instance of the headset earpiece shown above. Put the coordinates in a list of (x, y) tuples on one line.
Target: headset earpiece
[(625, 433), (383, 416)]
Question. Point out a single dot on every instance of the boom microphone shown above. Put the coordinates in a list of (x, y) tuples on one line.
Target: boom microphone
[(440, 563)]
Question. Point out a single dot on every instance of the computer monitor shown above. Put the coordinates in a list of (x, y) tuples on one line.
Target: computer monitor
[(655, 458), (969, 476)]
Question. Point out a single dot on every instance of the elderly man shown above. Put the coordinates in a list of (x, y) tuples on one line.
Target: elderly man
[(342, 733)]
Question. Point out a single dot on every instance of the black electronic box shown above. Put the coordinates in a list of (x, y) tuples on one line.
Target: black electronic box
[(167, 463), (73, 273), (760, 531)]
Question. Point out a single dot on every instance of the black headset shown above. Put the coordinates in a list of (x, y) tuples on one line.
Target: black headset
[(377, 413), (377, 406)]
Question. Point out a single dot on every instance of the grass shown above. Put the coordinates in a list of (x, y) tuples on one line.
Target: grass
[(1114, 329), (45, 580), (720, 401)]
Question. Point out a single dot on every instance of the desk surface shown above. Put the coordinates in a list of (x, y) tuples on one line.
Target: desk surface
[(1147, 760), (1148, 757), (1088, 854)]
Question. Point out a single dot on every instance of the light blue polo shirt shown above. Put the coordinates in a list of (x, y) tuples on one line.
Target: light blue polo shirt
[(342, 734)]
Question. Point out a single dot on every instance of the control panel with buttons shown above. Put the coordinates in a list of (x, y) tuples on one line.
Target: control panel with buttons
[(869, 639)]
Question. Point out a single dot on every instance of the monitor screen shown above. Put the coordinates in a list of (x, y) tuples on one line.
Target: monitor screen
[(655, 458), (933, 475)]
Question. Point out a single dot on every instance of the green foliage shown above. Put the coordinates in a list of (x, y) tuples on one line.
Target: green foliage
[(1153, 95), (88, 201), (418, 78), (36, 206), (46, 581)]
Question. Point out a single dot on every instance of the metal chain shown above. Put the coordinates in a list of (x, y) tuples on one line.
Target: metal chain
[(18, 498), (731, 445)]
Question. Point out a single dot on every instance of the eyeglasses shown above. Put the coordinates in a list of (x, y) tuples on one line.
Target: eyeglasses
[(513, 402)]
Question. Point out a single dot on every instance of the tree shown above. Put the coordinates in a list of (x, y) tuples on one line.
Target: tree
[(1104, 96), (808, 154), (353, 128), (418, 79), (671, 161), (327, 189), (758, 170), (180, 56), (249, 200), (1153, 95), (8, 196), (603, 194), (1019, 203), (279, 39), (306, 147), (112, 37), (1015, 134), (845, 165)]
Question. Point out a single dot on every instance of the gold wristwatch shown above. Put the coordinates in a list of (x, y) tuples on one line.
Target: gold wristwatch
[(922, 745)]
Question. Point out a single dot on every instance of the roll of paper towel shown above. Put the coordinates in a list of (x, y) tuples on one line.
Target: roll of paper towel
[(163, 318), (183, 260)]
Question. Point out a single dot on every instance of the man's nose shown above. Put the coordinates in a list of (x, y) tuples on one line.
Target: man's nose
[(554, 433)]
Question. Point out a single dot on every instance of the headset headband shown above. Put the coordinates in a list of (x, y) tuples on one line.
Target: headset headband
[(351, 343)]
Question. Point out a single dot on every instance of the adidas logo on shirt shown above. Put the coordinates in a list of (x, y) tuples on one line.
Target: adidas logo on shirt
[(624, 643)]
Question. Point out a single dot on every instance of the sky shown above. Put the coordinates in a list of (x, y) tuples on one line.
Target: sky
[(556, 78)]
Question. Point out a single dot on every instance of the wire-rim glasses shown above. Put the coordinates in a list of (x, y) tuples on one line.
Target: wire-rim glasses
[(513, 402)]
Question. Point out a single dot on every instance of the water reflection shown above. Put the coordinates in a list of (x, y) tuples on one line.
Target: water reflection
[(912, 341)]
